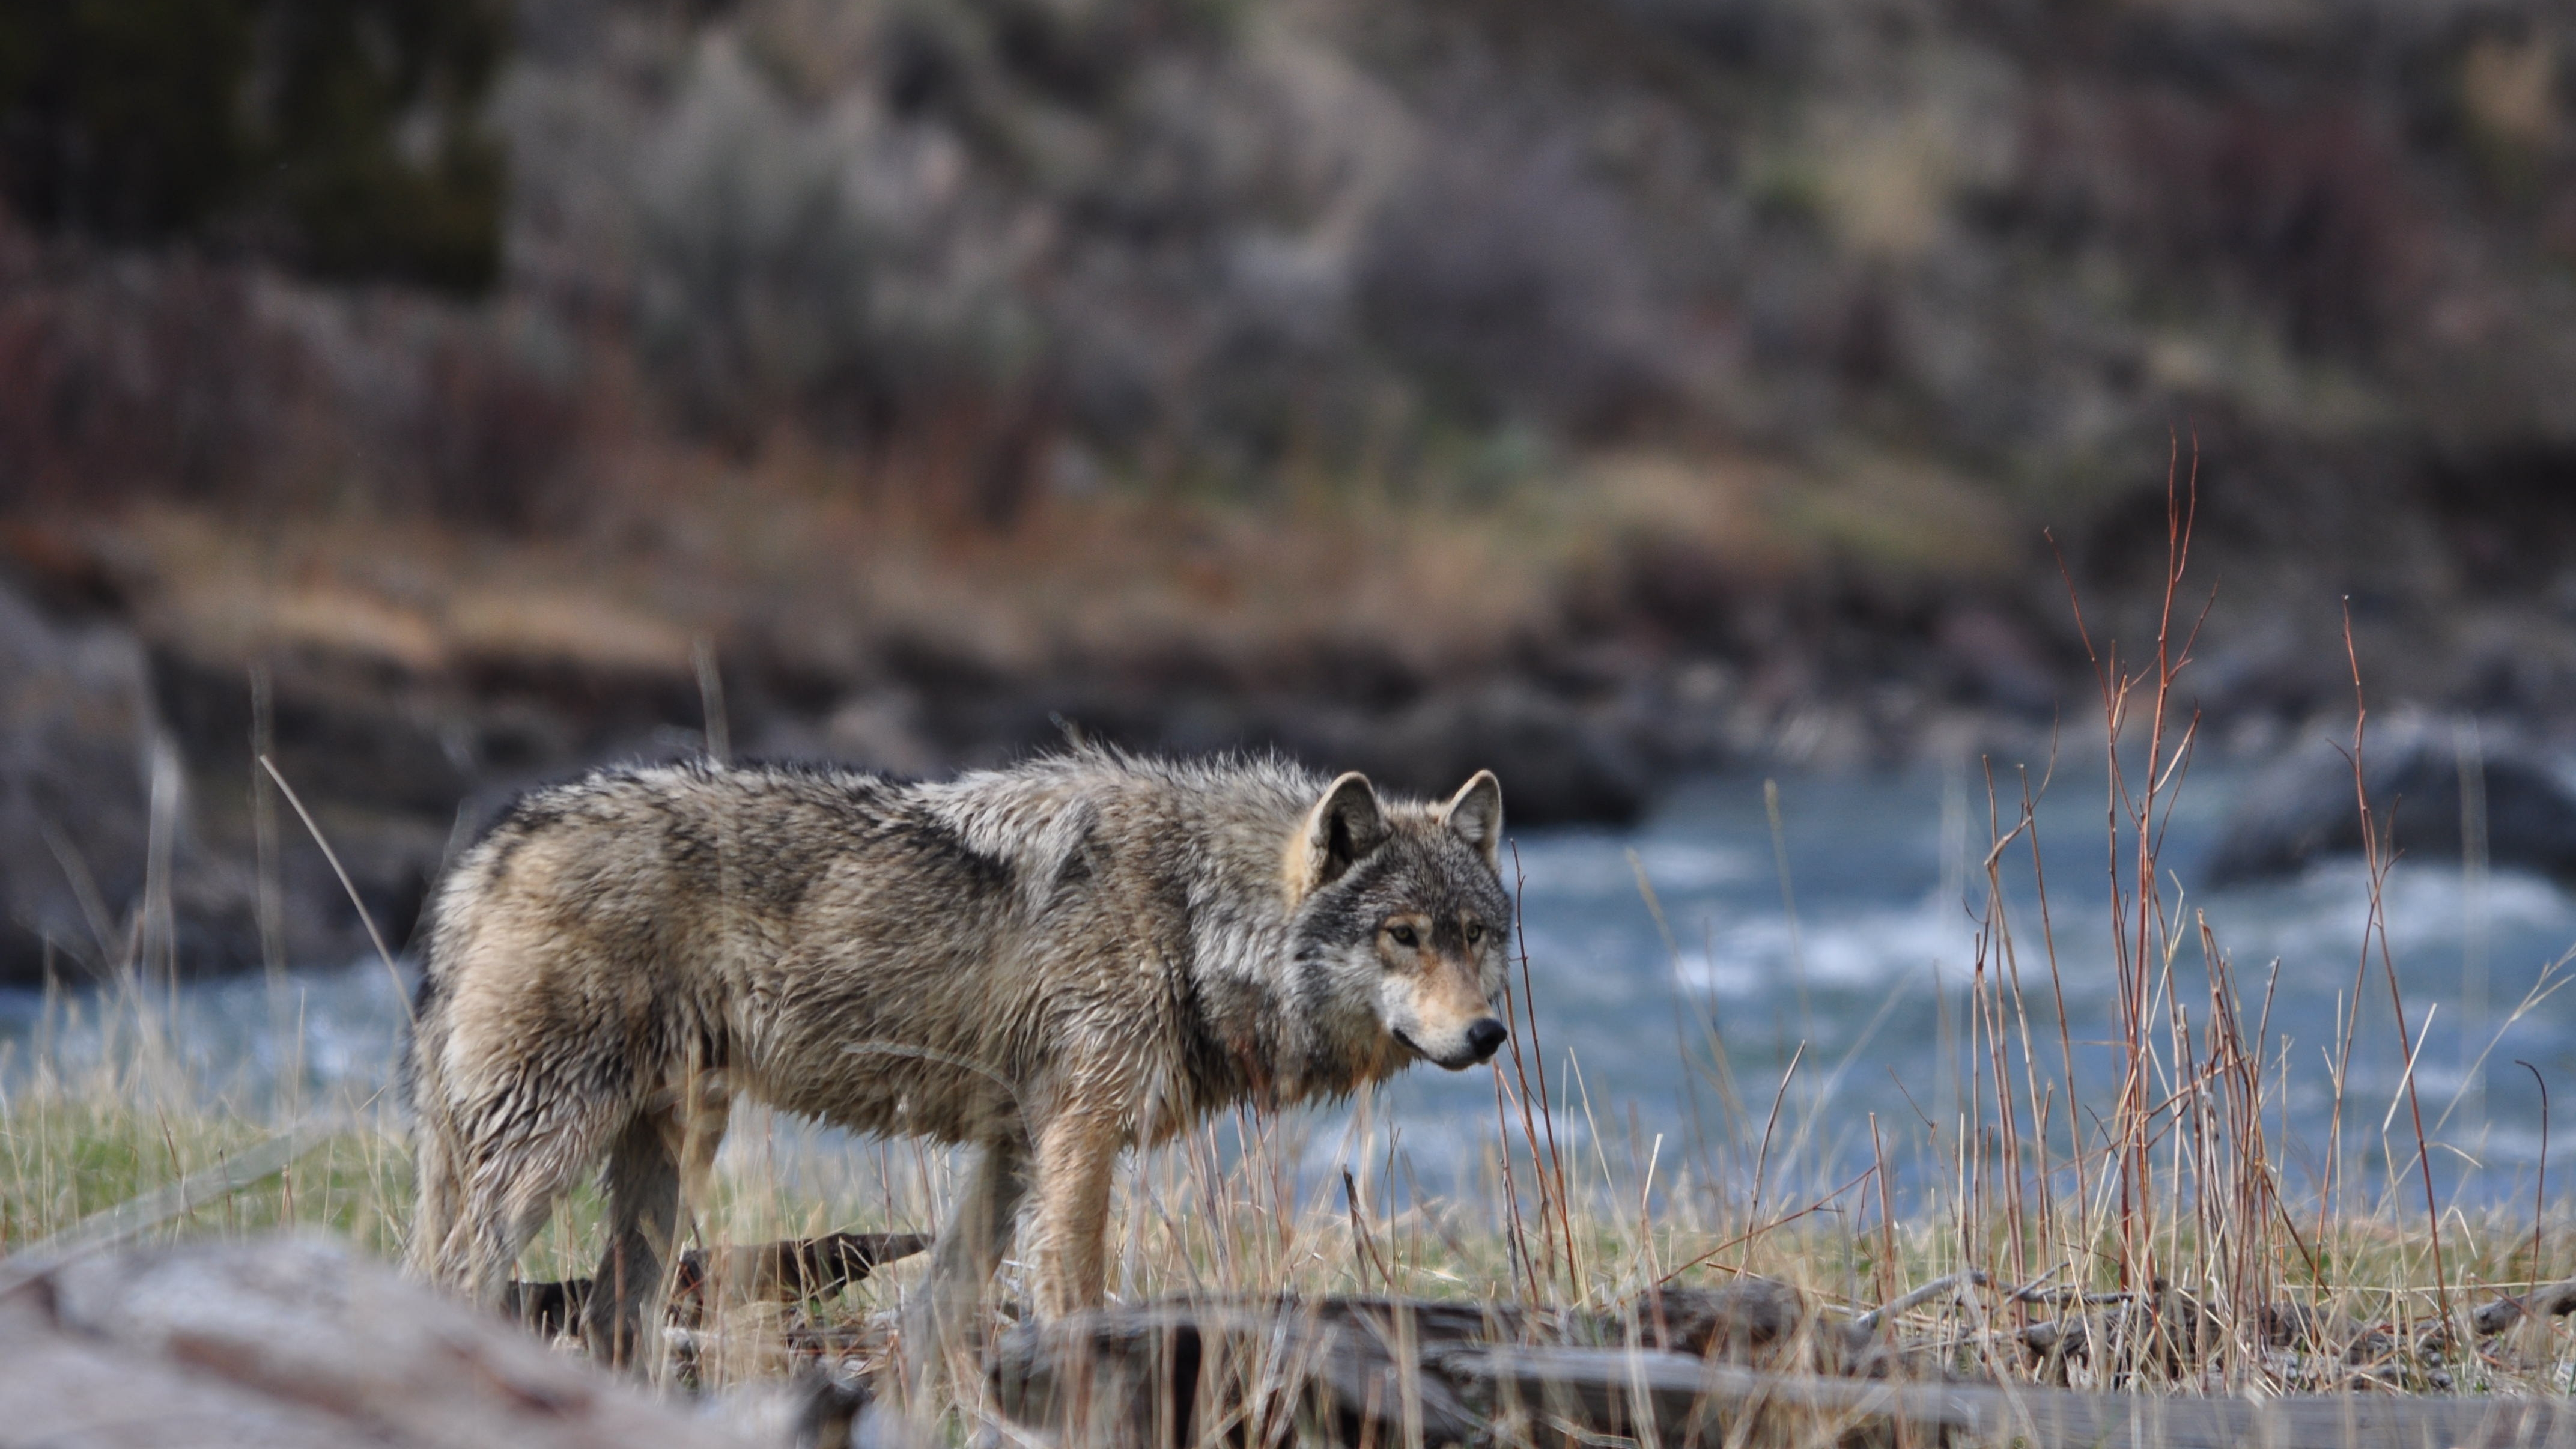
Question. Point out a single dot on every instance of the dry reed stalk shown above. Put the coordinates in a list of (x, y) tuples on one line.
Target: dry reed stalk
[(1550, 1177), (2378, 859)]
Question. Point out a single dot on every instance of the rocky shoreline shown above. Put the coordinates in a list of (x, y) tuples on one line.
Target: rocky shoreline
[(136, 828), (137, 831)]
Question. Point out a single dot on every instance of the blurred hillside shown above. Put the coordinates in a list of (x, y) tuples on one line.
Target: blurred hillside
[(1596, 389)]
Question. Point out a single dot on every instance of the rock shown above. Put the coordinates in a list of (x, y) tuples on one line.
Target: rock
[(1994, 659), (294, 1342), (1557, 762), (78, 741), (91, 790), (2302, 808), (107, 797)]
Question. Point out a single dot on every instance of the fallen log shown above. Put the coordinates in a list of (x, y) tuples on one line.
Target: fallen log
[(1374, 1371), (795, 1270), (1677, 1400), (2549, 1300), (1343, 1369)]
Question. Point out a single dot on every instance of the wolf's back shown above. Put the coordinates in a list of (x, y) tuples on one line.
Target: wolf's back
[(630, 889)]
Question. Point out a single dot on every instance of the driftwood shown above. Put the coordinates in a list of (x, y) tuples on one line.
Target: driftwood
[(793, 1271), (1683, 1400), (1762, 1323), (2178, 1332), (1374, 1371), (296, 1342), (2549, 1300), (1387, 1371), (1157, 1375)]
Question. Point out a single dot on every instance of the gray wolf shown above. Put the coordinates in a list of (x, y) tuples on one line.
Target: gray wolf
[(1052, 962)]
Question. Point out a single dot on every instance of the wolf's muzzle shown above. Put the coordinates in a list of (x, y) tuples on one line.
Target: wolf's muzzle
[(1485, 1038)]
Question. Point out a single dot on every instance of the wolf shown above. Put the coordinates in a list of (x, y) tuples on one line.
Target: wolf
[(1051, 962)]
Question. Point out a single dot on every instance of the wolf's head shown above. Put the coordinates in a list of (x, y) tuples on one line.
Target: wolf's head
[(1401, 919)]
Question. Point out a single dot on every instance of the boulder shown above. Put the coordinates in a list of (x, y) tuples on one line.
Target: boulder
[(93, 810), (1559, 762), (297, 1341), (2301, 807)]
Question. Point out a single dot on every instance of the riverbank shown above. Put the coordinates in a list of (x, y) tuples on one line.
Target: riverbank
[(1658, 618), (2014, 1282), (404, 675), (2016, 1212)]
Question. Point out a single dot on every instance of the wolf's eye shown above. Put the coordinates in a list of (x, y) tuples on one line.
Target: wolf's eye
[(1404, 936), (1475, 932)]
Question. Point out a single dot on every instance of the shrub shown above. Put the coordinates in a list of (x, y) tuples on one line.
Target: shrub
[(343, 135)]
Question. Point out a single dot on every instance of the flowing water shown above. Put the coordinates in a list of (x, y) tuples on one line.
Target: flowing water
[(1684, 965), (1680, 967)]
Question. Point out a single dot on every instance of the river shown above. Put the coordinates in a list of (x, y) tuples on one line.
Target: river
[(1846, 936)]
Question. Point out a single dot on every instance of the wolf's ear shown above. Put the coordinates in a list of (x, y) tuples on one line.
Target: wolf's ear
[(1343, 827), (1476, 813)]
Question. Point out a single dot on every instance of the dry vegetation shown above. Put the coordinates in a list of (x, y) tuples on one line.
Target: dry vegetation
[(2151, 1240), (2031, 1253), (771, 565)]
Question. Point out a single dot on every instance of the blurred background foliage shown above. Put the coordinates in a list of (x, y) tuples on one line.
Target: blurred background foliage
[(1601, 387), (1218, 244), (347, 138)]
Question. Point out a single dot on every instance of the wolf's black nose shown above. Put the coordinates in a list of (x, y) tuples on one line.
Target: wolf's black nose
[(1484, 1036)]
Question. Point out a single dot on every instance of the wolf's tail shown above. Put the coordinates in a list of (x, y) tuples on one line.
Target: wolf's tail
[(435, 1160)]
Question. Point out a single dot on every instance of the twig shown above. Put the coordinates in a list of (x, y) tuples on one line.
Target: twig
[(2540, 1188), (1546, 1108), (1363, 1246), (364, 918), (1762, 1155), (1781, 1222), (1907, 1303), (2378, 864), (143, 1212)]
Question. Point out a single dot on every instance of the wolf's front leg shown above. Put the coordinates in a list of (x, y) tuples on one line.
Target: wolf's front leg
[(1077, 1155)]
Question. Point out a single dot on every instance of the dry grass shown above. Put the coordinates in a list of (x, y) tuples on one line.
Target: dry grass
[(1240, 1209), (2160, 1223)]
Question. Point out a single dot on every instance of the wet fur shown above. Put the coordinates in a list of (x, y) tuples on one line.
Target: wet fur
[(1054, 962)]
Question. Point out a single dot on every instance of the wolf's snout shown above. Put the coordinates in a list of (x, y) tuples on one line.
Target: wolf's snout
[(1485, 1037)]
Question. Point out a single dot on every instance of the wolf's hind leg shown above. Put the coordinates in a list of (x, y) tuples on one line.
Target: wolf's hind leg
[(502, 1132), (491, 1194), (970, 1247), (621, 1323)]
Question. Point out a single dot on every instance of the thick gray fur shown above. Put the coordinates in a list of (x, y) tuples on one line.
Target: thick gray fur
[(1053, 962)]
